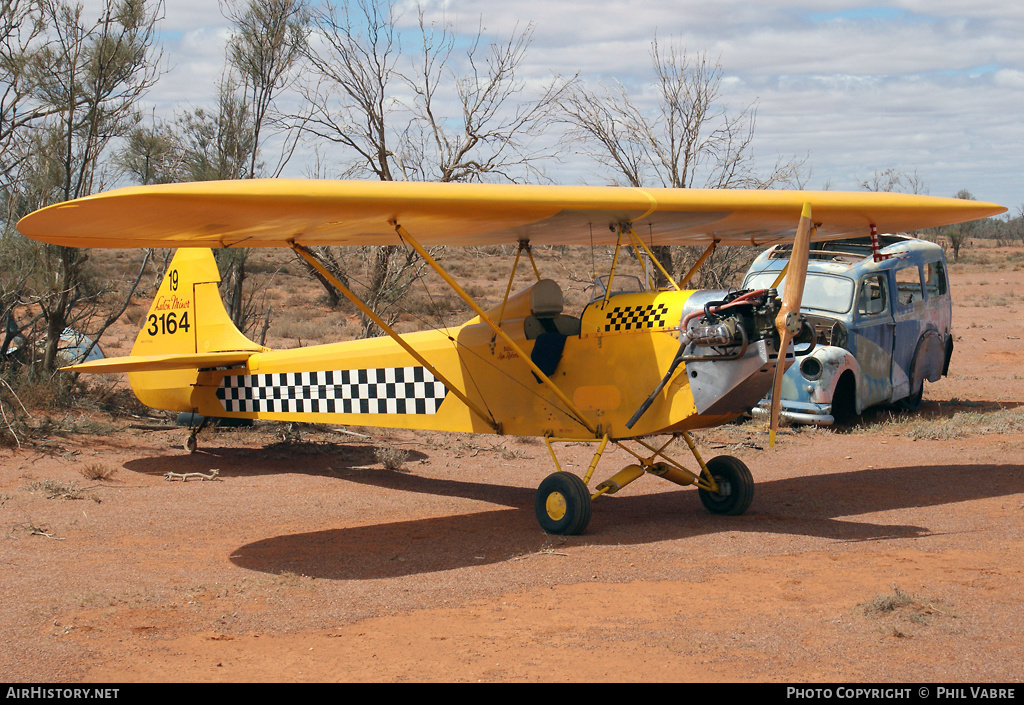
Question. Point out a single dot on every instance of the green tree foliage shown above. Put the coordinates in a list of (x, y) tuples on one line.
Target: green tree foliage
[(80, 84)]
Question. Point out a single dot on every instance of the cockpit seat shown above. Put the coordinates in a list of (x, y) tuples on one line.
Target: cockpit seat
[(546, 303), (547, 327)]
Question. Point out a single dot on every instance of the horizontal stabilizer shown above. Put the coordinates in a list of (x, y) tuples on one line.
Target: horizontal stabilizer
[(153, 363)]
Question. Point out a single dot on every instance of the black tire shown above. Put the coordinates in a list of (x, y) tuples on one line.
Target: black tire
[(563, 504), (735, 483), (913, 402)]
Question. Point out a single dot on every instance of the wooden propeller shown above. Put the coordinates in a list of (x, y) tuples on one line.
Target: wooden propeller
[(787, 323)]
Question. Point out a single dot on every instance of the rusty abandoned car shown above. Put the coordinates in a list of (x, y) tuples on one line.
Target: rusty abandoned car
[(881, 318)]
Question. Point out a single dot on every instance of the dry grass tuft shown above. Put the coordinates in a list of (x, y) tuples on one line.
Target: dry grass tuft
[(888, 602), (97, 471), (391, 458), (967, 423), (902, 605), (54, 489)]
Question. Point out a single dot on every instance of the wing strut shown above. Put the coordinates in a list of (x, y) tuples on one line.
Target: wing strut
[(315, 263), (700, 260), (576, 413), (636, 240), (524, 245)]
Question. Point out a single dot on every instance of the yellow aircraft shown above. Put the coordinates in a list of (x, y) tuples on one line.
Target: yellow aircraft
[(632, 366)]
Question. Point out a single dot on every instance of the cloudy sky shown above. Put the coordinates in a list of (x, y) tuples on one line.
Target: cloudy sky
[(934, 87)]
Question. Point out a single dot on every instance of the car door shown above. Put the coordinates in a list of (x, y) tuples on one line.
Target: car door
[(908, 315), (872, 339)]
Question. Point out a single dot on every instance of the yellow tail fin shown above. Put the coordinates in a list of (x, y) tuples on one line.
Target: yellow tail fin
[(186, 325), (187, 315)]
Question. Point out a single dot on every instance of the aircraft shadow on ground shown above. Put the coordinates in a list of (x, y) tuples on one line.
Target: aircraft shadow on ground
[(307, 458), (806, 506)]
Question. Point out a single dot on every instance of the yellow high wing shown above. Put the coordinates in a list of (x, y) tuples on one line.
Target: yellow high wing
[(278, 213), (524, 368)]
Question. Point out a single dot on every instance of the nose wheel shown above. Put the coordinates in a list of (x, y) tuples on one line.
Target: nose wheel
[(563, 504)]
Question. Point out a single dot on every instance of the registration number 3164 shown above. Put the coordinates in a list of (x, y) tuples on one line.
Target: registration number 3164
[(167, 323)]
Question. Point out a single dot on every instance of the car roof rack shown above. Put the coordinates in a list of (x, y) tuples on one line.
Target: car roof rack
[(851, 250)]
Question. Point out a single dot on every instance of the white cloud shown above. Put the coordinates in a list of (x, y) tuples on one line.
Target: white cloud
[(932, 85)]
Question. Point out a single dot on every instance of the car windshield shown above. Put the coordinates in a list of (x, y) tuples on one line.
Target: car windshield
[(823, 292)]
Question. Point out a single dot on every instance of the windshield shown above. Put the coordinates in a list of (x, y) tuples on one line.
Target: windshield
[(823, 292)]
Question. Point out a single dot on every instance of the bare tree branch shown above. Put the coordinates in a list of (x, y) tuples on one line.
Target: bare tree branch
[(687, 138)]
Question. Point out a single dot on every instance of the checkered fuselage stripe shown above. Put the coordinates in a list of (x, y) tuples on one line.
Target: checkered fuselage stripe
[(636, 317), (390, 390)]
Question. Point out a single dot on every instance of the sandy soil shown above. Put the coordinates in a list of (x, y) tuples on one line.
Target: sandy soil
[(307, 561)]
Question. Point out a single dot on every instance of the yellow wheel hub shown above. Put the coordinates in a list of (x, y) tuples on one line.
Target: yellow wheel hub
[(555, 506)]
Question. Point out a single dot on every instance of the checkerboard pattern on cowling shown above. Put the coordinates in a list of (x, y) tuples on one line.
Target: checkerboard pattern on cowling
[(389, 390), (637, 317)]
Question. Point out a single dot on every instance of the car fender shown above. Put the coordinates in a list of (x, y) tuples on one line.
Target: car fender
[(929, 360), (834, 362)]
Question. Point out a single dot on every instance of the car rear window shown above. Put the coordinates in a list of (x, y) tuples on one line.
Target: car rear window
[(908, 285)]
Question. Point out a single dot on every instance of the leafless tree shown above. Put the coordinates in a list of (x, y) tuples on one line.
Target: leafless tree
[(429, 112), (497, 133), (354, 71), (895, 180), (421, 113), (687, 139)]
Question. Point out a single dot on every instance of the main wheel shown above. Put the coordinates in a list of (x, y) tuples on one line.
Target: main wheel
[(563, 504), (735, 486)]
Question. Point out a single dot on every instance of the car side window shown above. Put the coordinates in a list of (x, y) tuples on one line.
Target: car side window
[(872, 298), (935, 279), (908, 285)]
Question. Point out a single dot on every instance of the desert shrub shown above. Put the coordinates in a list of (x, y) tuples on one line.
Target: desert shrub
[(390, 457), (888, 602), (97, 471)]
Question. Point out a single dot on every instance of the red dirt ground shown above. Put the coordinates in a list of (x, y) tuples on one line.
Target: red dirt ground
[(307, 561)]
